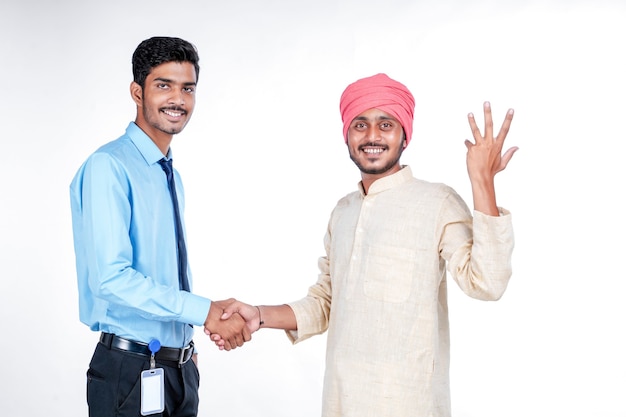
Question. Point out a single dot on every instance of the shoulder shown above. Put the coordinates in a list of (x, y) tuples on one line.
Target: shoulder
[(349, 198), (121, 151), (426, 189), (112, 157), (119, 148), (436, 198)]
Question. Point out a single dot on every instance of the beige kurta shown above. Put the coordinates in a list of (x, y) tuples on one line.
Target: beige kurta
[(381, 294)]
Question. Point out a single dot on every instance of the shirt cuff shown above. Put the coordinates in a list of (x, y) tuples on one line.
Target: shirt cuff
[(195, 309)]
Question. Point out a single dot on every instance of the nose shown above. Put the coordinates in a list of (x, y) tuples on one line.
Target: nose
[(177, 97), (373, 134)]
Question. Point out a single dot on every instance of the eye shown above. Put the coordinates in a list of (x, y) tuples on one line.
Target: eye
[(189, 90), (162, 86), (359, 125), (386, 125)]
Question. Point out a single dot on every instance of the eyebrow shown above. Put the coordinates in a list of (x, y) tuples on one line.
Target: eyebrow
[(377, 118), (167, 80)]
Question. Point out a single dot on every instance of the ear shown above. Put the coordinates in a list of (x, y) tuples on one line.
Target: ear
[(136, 93)]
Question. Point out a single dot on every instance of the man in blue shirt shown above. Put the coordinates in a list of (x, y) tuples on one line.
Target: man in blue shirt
[(133, 280)]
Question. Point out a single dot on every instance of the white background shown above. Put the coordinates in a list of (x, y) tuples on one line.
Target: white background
[(263, 163)]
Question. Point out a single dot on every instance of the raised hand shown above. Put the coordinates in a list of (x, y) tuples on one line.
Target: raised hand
[(485, 159), (232, 331)]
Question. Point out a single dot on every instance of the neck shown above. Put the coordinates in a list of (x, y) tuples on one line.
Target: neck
[(366, 182), (367, 179), (161, 139)]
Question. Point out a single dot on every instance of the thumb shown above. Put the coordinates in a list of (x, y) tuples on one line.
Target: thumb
[(229, 311), (504, 161)]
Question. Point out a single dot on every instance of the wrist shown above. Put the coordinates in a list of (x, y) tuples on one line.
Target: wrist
[(261, 322)]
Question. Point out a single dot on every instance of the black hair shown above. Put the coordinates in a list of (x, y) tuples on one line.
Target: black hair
[(159, 50)]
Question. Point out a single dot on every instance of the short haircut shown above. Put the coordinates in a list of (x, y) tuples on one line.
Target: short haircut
[(159, 50)]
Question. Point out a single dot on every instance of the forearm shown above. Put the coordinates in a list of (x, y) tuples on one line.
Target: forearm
[(484, 197), (482, 266), (277, 317)]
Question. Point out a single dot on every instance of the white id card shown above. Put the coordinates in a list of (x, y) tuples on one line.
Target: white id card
[(152, 391)]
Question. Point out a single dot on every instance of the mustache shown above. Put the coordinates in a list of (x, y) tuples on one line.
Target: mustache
[(174, 108), (373, 145)]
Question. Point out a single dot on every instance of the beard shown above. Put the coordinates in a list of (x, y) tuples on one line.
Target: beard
[(152, 119), (381, 170)]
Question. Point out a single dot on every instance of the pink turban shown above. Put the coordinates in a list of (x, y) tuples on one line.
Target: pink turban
[(377, 92)]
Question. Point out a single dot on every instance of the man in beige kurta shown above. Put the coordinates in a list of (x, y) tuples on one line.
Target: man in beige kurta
[(390, 245), (382, 294)]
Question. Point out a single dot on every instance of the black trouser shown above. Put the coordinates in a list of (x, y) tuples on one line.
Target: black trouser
[(113, 385)]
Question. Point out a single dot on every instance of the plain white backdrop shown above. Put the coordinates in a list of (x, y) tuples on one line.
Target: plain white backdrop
[(263, 163)]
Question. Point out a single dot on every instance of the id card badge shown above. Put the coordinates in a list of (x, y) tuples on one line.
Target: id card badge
[(152, 391)]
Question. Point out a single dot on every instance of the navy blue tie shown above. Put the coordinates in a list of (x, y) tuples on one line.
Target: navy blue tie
[(183, 281)]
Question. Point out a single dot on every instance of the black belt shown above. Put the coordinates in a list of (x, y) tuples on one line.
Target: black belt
[(179, 356)]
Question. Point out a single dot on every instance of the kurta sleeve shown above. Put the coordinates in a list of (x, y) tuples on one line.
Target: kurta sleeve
[(478, 250), (313, 311)]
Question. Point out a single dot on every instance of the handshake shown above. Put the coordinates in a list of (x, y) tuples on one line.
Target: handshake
[(230, 323)]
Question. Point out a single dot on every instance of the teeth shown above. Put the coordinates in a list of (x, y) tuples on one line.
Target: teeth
[(372, 150), (172, 113)]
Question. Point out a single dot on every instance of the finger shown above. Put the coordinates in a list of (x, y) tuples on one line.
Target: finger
[(239, 340), (504, 130), (469, 144), (488, 120), (474, 128), (506, 157), (233, 343)]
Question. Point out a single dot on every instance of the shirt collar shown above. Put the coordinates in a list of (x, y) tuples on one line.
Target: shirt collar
[(390, 181), (150, 152)]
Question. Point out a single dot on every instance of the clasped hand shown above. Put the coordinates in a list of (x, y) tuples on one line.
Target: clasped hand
[(230, 323)]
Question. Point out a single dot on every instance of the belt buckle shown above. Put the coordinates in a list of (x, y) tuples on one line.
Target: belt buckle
[(183, 353)]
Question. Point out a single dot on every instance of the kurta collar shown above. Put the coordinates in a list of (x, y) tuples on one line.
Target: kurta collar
[(148, 149), (388, 182)]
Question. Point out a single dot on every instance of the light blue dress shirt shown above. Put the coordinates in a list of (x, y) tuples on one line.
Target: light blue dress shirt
[(125, 245)]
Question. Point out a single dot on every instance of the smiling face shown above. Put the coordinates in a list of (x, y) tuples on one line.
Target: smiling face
[(165, 104), (375, 141)]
